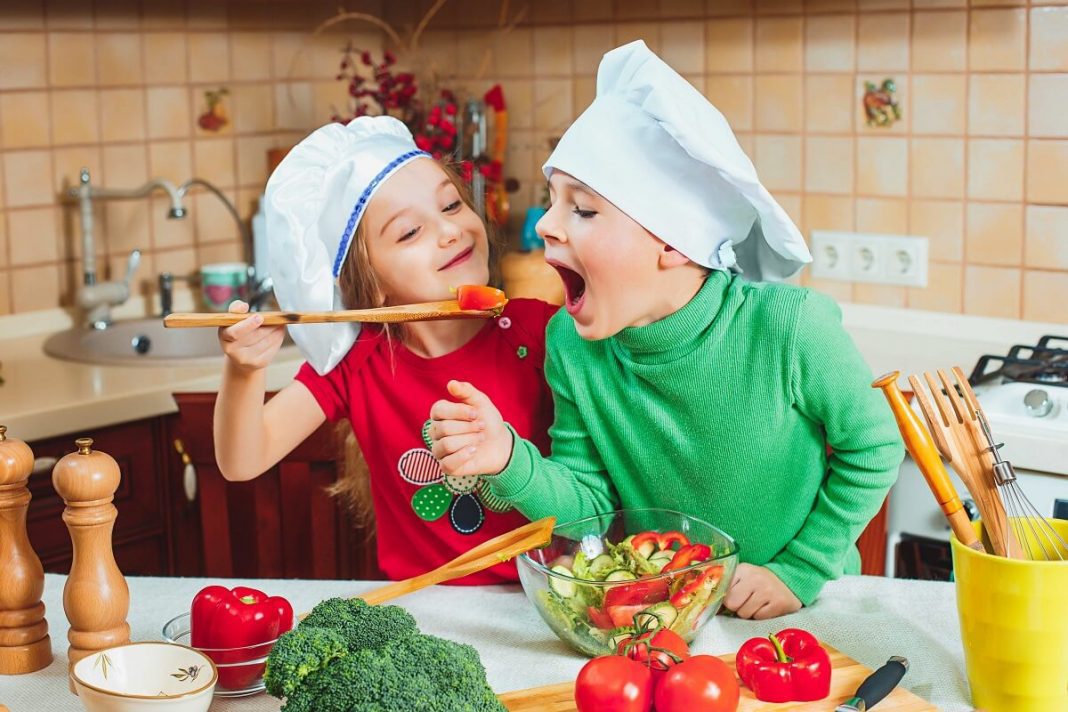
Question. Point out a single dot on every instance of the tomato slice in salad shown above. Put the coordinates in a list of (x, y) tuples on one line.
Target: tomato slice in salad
[(624, 615), (477, 297), (600, 619)]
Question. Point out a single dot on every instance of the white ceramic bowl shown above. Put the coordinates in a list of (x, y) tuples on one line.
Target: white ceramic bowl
[(138, 677)]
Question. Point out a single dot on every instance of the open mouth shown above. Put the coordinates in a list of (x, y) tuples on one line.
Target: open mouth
[(574, 286), (462, 257)]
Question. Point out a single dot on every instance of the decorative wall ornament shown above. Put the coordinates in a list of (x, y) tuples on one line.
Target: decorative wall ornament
[(880, 103)]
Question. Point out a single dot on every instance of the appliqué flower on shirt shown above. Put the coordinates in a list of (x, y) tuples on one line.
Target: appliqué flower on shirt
[(462, 497)]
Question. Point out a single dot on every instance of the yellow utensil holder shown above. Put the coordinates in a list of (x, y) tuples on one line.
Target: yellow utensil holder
[(1014, 627)]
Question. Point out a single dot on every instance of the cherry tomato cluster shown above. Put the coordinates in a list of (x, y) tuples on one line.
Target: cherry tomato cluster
[(653, 670)]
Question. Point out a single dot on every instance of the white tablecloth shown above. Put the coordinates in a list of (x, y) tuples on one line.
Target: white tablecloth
[(867, 618)]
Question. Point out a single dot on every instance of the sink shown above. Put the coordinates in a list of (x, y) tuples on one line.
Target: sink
[(137, 341)]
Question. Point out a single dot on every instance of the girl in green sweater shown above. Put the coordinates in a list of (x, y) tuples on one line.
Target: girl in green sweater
[(677, 383)]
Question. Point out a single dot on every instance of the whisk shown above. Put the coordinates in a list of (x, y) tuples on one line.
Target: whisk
[(1032, 530)]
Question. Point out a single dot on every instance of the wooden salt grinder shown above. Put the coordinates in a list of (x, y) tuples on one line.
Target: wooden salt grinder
[(95, 598), (24, 642)]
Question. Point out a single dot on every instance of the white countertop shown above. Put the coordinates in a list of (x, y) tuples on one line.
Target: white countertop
[(867, 618)]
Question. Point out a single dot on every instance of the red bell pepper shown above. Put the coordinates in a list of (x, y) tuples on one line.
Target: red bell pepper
[(648, 542), (642, 591), (705, 582), (688, 555), (228, 625), (790, 666), (479, 297)]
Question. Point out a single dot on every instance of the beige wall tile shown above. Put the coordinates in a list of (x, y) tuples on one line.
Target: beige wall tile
[(67, 164), (552, 104), (23, 15), (883, 42), (206, 15), (1047, 171), (75, 117), (873, 5), (1046, 240), (998, 40), (729, 45), (592, 10), (1047, 104), (778, 7), (830, 44), (590, 42), (168, 112), (128, 228), (884, 295), (939, 41), (728, 7), (25, 120), (513, 54), (994, 234), (294, 106), (634, 10), (583, 93), (778, 103), (5, 292), (117, 14), (1049, 46), (683, 46), (28, 178), (992, 291), (778, 44), (290, 58), (212, 221), (252, 159), (126, 166), (733, 96), (827, 212), (23, 60), (996, 104), (778, 162), (944, 290), (209, 56), (3, 242), (649, 32), (551, 13), (829, 164), (1045, 295), (520, 96), (924, 4), (938, 103), (119, 58), (122, 114), (937, 167), (882, 166), (995, 169), (553, 53), (162, 14), (71, 59), (165, 58), (34, 236), (942, 222), (791, 203), (69, 15), (829, 103), (997, 3), (818, 6), (34, 288), (887, 215), (214, 161), (839, 291), (171, 160), (250, 53), (682, 8), (168, 233)]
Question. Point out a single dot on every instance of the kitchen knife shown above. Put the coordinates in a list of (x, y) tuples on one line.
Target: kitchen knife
[(876, 686)]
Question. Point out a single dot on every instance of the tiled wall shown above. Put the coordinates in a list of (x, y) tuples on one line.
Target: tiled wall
[(979, 162), (116, 86)]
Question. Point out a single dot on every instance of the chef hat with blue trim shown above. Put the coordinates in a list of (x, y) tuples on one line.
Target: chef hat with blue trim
[(658, 150), (313, 204)]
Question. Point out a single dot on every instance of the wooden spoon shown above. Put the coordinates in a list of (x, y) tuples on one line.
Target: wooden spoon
[(427, 311), (494, 551)]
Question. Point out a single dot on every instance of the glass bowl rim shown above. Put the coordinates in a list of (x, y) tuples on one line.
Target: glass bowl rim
[(187, 630), (541, 568)]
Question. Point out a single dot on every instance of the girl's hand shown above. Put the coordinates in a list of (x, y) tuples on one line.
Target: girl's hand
[(758, 593), (247, 344), (469, 437)]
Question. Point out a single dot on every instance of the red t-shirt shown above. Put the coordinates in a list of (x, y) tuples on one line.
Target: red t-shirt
[(423, 518)]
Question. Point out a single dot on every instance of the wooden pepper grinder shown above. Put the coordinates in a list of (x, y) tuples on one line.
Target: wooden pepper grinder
[(24, 642), (96, 598)]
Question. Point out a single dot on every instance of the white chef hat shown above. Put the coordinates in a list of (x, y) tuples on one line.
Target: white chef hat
[(313, 203), (656, 148)]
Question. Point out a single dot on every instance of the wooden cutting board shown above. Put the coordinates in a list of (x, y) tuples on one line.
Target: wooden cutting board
[(846, 677)]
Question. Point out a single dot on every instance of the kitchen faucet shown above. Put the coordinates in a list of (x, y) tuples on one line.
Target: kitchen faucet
[(97, 299)]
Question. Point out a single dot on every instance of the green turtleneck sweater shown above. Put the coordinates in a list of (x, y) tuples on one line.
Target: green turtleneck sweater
[(723, 410)]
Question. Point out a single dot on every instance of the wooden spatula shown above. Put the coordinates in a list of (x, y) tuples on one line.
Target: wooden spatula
[(427, 311), (494, 551)]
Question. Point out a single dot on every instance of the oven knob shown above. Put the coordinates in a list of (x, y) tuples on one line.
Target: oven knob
[(971, 509), (1037, 403)]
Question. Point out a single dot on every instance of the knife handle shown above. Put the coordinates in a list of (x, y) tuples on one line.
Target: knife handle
[(881, 682)]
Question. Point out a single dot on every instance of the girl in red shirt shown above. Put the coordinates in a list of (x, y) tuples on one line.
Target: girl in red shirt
[(358, 217)]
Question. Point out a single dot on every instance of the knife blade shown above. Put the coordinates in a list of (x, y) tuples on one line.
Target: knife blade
[(876, 686)]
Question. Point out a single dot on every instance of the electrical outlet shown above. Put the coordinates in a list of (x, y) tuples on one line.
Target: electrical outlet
[(906, 260), (869, 257), (830, 255), (866, 258)]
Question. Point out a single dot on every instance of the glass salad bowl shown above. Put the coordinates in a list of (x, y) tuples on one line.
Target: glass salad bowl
[(240, 669), (601, 577)]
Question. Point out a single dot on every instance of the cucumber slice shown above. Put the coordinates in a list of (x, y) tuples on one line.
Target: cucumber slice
[(562, 587), (660, 559), (602, 565), (664, 613), (620, 575)]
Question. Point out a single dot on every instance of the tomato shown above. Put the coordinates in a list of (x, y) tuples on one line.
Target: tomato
[(478, 297), (642, 648), (624, 615), (611, 683), (702, 682), (599, 618), (645, 592)]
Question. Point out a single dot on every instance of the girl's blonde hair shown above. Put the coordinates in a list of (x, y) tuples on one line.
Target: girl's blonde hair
[(360, 290)]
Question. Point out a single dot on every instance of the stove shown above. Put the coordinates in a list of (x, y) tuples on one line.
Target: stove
[(1024, 394)]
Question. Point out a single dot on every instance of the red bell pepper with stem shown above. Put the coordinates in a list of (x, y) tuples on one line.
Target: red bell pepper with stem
[(240, 618), (790, 666)]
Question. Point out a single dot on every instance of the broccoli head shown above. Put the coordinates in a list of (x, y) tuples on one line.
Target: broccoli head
[(299, 653), (360, 624)]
